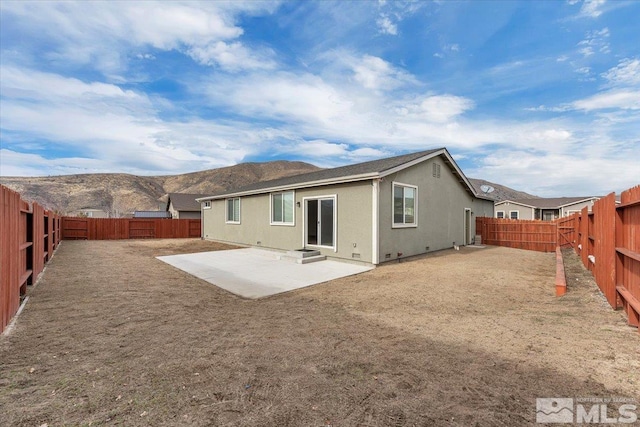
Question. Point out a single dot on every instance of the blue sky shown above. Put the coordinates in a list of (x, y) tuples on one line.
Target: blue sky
[(541, 96)]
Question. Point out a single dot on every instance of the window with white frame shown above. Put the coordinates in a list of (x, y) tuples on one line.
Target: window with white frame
[(233, 211), (499, 214), (405, 205), (514, 214), (206, 205), (282, 208)]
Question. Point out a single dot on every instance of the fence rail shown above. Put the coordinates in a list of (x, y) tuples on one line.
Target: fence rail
[(128, 228), (607, 239), (29, 235)]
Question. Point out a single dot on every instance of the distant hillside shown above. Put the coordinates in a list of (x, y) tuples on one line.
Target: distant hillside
[(125, 193), (121, 193), (498, 192)]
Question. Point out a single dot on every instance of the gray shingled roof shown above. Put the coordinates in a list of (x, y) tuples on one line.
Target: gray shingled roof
[(371, 167), (185, 202), (551, 202)]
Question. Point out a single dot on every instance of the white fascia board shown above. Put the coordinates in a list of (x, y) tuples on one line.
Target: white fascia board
[(319, 183), (516, 203)]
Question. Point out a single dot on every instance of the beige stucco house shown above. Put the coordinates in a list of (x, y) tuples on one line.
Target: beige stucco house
[(184, 206), (369, 212), (546, 209)]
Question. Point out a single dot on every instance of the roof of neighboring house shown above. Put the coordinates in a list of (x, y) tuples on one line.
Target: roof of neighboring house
[(351, 173), (185, 202), (151, 214), (549, 203)]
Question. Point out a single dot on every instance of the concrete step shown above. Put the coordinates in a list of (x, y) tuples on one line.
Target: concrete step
[(302, 256), (303, 253), (309, 259)]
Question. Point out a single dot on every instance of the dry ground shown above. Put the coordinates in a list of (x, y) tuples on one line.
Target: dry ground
[(112, 336)]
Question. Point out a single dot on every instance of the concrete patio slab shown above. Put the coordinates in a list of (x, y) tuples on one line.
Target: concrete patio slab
[(257, 273)]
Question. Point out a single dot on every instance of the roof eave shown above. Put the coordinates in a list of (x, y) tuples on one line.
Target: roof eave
[(578, 201), (517, 203), (318, 183)]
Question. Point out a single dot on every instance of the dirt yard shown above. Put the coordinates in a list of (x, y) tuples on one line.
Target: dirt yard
[(112, 336)]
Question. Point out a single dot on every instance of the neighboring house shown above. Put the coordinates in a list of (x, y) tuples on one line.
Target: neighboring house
[(151, 214), (91, 213), (546, 209), (370, 212), (184, 206)]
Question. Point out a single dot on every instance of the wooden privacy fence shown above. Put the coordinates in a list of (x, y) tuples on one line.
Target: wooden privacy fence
[(128, 228), (29, 235), (521, 234), (608, 242), (607, 239)]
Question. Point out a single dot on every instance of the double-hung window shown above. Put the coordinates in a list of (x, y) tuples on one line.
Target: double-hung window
[(499, 214), (282, 208), (405, 204), (514, 214), (233, 211)]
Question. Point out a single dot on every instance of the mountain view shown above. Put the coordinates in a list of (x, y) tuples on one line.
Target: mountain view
[(120, 193)]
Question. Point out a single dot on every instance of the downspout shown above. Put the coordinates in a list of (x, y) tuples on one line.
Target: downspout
[(375, 221), (201, 222)]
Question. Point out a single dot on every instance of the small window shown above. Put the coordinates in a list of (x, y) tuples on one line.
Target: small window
[(514, 214), (404, 205), (233, 211), (282, 208), (206, 205), (499, 214)]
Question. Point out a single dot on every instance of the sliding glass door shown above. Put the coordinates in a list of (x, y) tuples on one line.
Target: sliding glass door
[(320, 222)]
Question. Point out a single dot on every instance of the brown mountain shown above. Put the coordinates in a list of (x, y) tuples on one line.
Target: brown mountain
[(126, 193), (119, 193)]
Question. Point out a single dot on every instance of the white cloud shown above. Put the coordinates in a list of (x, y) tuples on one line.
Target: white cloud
[(595, 42), (13, 163), (282, 96), (626, 73), (319, 148), (385, 25), (437, 108), (447, 49), (392, 13), (104, 34), (553, 174), (233, 56), (592, 8), (620, 99), (118, 129), (375, 73)]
